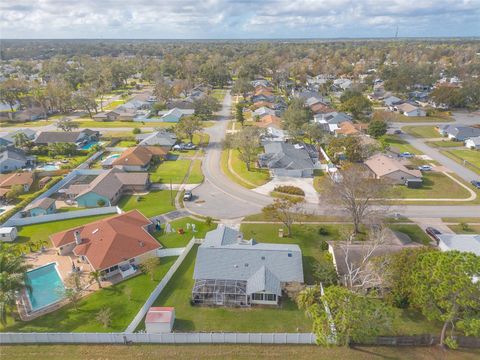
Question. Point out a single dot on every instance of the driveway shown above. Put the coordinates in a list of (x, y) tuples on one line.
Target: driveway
[(306, 184)]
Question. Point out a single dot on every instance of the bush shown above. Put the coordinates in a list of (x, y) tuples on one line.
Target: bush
[(136, 131), (322, 231), (323, 245), (288, 189)]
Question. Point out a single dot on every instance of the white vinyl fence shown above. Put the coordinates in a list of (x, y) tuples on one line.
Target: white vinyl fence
[(156, 292), (170, 252), (170, 338)]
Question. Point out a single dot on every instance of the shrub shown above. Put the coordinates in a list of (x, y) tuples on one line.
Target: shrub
[(208, 221), (465, 226), (288, 189), (136, 131), (323, 245), (322, 231)]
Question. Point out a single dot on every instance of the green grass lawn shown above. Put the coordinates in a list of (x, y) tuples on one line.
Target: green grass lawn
[(121, 124), (461, 219), (170, 171), (399, 145), (472, 156), (255, 176), (72, 161), (126, 143), (219, 94), (196, 175), (38, 234), (435, 186), (414, 231), (422, 131), (174, 240), (156, 202), (68, 319), (286, 318), (417, 119), (114, 104), (472, 229), (444, 143)]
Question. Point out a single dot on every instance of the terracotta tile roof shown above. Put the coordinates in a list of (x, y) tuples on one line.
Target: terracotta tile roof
[(347, 128), (263, 91), (110, 241), (20, 178), (269, 121), (136, 156)]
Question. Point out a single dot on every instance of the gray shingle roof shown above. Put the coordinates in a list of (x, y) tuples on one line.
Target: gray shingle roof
[(43, 203), (225, 255), (285, 156), (264, 281), (160, 138), (461, 132)]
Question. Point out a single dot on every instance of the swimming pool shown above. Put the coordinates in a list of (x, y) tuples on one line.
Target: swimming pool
[(48, 167), (46, 286), (89, 145)]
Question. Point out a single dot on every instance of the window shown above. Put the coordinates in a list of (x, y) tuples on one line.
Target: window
[(270, 297), (256, 296), (290, 255), (263, 257)]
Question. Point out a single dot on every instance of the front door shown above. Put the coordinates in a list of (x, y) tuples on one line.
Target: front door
[(219, 299)]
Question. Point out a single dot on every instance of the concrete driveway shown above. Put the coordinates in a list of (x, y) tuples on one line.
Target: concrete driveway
[(306, 184)]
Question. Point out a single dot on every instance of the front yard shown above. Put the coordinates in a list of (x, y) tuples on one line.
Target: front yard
[(414, 231), (420, 119), (471, 156), (154, 203), (124, 299), (239, 173), (444, 143), (399, 146), (422, 131), (170, 171)]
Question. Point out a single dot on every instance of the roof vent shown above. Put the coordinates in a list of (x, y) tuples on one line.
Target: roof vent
[(246, 264), (141, 243), (263, 257), (95, 231), (235, 266)]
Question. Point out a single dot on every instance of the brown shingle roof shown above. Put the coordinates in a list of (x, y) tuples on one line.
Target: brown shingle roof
[(136, 156), (269, 121), (383, 165), (20, 178), (110, 241)]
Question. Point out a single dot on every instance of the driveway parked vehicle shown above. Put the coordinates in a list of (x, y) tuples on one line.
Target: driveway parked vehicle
[(398, 132), (433, 233), (187, 196), (425, 168), (406, 154), (476, 183), (189, 146)]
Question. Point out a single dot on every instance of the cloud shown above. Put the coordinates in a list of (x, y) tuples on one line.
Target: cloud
[(236, 19)]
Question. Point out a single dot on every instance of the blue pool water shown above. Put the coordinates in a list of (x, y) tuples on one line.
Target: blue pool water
[(89, 145), (49, 167), (46, 286)]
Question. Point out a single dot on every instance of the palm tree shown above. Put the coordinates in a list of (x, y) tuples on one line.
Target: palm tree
[(12, 280), (20, 140), (308, 297), (95, 275)]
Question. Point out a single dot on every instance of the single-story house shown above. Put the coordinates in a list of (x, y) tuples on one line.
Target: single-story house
[(391, 101), (347, 255), (284, 159), (233, 271), (391, 170), (348, 128), (260, 83), (108, 187), (269, 121), (460, 242), (263, 111), (8, 233), (13, 159), (330, 121), (342, 84), (175, 114), (408, 109), (158, 138), (78, 138), (258, 98), (115, 245), (260, 104), (459, 132), (473, 143), (159, 320), (320, 108), (137, 158), (8, 139), (24, 178), (40, 207)]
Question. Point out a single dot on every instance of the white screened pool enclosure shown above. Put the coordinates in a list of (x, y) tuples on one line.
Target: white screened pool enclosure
[(220, 292)]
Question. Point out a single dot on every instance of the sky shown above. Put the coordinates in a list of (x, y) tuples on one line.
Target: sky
[(240, 19)]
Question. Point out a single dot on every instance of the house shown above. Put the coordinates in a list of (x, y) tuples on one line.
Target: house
[(473, 143), (350, 255), (115, 245), (78, 138), (8, 234), (137, 158), (348, 128), (30, 114), (8, 139), (460, 242), (269, 121), (175, 114), (261, 82), (263, 111), (108, 187), (391, 170), (459, 132), (408, 109), (262, 98), (284, 159), (274, 134), (260, 104), (13, 159), (40, 207), (24, 179), (233, 271), (320, 107), (391, 101), (331, 121), (159, 320), (157, 138), (342, 84)]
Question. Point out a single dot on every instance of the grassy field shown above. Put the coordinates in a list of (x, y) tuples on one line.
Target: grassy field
[(422, 131), (472, 229), (414, 231), (435, 186), (444, 143), (69, 319), (154, 203), (196, 318), (398, 145), (37, 123), (170, 171), (234, 352), (173, 240), (38, 234), (472, 156)]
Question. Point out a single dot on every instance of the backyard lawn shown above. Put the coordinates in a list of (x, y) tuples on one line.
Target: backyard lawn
[(398, 145), (422, 131), (174, 240), (154, 203), (68, 319), (173, 171), (414, 231), (435, 186), (287, 318), (472, 156), (38, 234)]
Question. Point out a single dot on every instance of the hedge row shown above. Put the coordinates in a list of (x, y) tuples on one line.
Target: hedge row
[(288, 189)]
